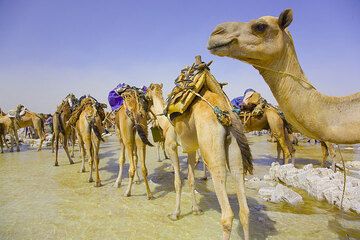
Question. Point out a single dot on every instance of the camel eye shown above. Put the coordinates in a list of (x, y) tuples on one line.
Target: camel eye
[(260, 27)]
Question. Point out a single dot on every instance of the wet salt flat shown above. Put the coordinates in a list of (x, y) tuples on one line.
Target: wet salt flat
[(40, 201)]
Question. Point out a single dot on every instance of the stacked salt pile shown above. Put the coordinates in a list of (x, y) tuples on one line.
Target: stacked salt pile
[(321, 183)]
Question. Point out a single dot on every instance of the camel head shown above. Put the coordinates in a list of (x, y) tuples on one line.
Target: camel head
[(134, 104), (257, 41), (154, 90)]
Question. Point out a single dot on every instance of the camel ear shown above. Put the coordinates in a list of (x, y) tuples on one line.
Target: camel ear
[(285, 18), (161, 85)]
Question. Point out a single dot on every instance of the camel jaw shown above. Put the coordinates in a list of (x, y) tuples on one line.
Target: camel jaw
[(218, 48)]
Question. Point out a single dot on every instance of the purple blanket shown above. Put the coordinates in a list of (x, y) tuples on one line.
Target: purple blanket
[(115, 100)]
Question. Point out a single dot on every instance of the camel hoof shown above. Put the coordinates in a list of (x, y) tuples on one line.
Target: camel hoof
[(117, 184), (97, 184), (56, 165), (82, 170), (197, 211), (71, 162), (204, 178), (137, 182), (173, 216), (90, 180), (127, 194), (150, 197), (11, 150), (18, 149)]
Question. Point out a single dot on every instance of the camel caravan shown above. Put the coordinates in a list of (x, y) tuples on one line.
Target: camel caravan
[(198, 116)]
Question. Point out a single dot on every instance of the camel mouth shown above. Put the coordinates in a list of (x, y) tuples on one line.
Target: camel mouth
[(218, 46)]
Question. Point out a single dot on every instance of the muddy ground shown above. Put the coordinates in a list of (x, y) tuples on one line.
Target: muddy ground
[(40, 201)]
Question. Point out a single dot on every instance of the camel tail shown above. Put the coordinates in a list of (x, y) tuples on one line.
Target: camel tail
[(142, 134), (237, 130)]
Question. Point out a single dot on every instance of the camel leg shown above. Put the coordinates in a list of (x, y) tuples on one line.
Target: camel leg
[(1, 144), (82, 151), (136, 160), (95, 147), (56, 139), (142, 153), (158, 151), (41, 135), (279, 151), (163, 148), (88, 150), (325, 153), (16, 137), (12, 143), (171, 148), (191, 178), (287, 155), (6, 144), (65, 146), (52, 143), (121, 165), (132, 169), (332, 155), (236, 168), (218, 174), (73, 140)]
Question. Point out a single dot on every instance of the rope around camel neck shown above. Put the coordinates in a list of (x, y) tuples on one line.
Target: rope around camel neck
[(299, 79)]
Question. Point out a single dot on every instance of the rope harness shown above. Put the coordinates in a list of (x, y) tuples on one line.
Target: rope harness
[(185, 82)]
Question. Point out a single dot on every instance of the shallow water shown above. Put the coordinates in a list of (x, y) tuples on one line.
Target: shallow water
[(40, 201)]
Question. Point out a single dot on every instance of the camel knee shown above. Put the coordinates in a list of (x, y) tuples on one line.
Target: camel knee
[(131, 172), (144, 171)]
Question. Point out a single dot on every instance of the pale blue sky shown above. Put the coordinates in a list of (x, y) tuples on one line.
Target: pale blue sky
[(50, 48)]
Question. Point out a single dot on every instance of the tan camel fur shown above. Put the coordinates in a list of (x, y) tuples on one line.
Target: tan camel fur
[(60, 129), (271, 119), (31, 119), (89, 128), (222, 148), (266, 44), (131, 128), (155, 95), (8, 126)]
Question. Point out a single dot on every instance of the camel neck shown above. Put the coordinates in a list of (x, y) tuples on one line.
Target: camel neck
[(158, 108), (309, 111), (292, 90)]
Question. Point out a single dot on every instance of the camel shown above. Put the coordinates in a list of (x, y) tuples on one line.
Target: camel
[(158, 131), (8, 126), (26, 118), (89, 128), (209, 124), (61, 116), (269, 119), (267, 45), (154, 94), (131, 129)]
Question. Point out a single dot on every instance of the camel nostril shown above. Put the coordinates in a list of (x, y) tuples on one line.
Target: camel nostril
[(218, 30)]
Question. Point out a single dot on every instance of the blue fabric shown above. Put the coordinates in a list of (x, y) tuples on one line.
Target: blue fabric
[(249, 90), (237, 102), (115, 100)]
